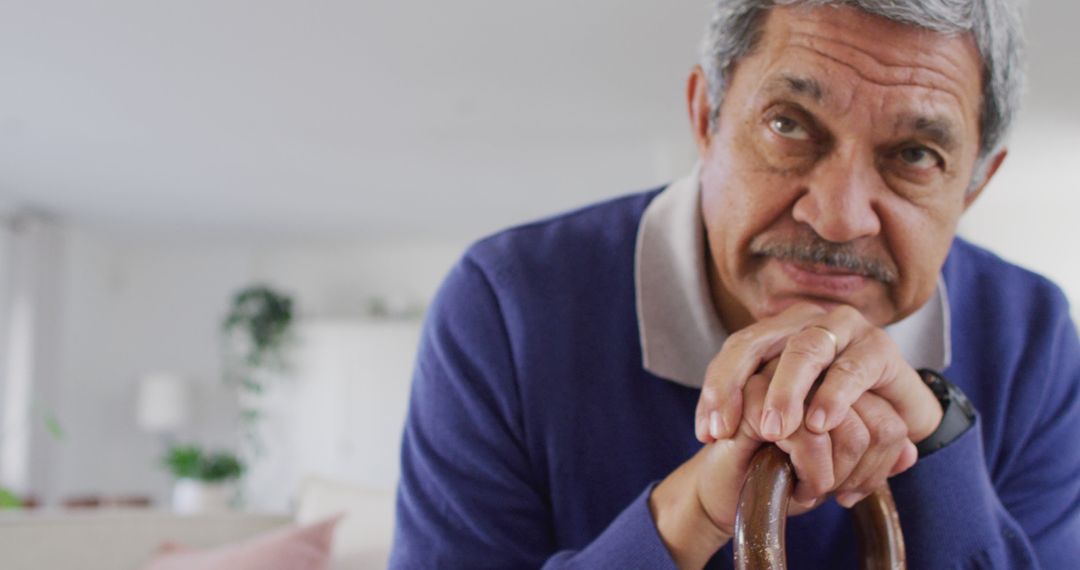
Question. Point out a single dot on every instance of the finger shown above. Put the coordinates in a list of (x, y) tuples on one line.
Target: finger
[(908, 457), (804, 360), (874, 363), (811, 455), (805, 356), (742, 355), (796, 508), (769, 370), (888, 440), (753, 400), (861, 366), (713, 415), (850, 441)]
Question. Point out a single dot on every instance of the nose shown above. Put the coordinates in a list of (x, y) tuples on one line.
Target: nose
[(839, 203)]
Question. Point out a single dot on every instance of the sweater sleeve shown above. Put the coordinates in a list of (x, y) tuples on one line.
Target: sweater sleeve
[(957, 514), (469, 495)]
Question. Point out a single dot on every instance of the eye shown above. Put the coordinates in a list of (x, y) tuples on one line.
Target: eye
[(788, 128), (920, 157)]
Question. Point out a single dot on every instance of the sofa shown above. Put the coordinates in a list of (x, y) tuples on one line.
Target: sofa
[(129, 539)]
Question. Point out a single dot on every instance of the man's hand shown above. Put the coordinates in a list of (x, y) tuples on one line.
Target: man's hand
[(694, 507), (873, 406), (852, 460), (855, 357)]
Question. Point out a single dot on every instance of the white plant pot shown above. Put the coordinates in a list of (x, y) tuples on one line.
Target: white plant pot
[(191, 496)]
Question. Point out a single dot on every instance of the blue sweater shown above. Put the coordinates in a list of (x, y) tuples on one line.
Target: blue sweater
[(534, 435)]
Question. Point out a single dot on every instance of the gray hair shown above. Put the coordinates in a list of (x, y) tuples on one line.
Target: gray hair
[(996, 26)]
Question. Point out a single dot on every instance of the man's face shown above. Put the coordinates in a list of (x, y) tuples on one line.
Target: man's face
[(838, 169)]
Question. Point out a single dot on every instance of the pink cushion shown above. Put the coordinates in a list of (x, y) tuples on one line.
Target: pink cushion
[(291, 548)]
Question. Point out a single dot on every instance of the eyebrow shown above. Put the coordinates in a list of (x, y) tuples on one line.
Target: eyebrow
[(938, 130), (797, 85)]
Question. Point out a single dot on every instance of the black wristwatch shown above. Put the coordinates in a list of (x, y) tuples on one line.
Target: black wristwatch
[(959, 414)]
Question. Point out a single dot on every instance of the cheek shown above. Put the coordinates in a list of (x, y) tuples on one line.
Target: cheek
[(735, 207), (919, 243), (740, 188)]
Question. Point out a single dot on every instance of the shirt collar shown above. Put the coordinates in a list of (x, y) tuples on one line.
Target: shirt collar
[(678, 327)]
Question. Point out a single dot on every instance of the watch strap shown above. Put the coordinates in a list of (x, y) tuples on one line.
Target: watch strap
[(958, 413)]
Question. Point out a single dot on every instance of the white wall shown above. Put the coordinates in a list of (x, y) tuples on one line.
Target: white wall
[(131, 307), (1028, 213)]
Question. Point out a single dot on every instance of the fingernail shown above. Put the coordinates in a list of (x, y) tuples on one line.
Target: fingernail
[(770, 424), (714, 424), (817, 421)]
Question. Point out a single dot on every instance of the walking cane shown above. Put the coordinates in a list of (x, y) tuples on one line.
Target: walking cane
[(763, 504)]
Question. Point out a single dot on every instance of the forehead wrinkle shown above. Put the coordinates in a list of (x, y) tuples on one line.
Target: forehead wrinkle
[(892, 75), (924, 43), (908, 81)]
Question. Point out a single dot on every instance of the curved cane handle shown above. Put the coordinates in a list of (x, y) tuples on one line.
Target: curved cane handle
[(763, 504)]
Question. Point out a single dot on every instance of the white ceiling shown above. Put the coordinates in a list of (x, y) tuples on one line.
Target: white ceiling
[(370, 118)]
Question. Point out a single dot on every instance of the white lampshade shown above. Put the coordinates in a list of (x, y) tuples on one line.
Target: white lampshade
[(163, 402)]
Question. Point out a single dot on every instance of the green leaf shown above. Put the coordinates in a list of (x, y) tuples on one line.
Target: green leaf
[(190, 462), (9, 500), (184, 461)]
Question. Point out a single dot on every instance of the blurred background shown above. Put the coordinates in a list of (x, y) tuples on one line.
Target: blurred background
[(158, 158)]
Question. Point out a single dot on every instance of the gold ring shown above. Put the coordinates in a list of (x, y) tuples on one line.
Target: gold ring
[(832, 336)]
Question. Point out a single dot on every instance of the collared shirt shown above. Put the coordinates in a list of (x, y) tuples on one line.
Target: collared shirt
[(679, 329)]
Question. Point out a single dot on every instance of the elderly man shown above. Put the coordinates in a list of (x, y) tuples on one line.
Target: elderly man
[(590, 388)]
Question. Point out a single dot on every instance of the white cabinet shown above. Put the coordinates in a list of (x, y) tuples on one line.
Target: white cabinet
[(340, 411)]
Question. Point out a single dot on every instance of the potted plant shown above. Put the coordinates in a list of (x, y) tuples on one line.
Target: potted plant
[(205, 482), (257, 330)]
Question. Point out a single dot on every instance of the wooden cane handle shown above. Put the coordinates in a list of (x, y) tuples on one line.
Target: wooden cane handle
[(762, 513)]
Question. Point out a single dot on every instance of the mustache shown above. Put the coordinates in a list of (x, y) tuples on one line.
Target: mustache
[(815, 250)]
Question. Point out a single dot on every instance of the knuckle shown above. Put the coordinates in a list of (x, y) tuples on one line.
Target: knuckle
[(849, 367), (743, 339), (891, 431), (852, 444), (806, 346)]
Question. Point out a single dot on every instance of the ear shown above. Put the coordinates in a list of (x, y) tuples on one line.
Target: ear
[(697, 103), (995, 164)]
